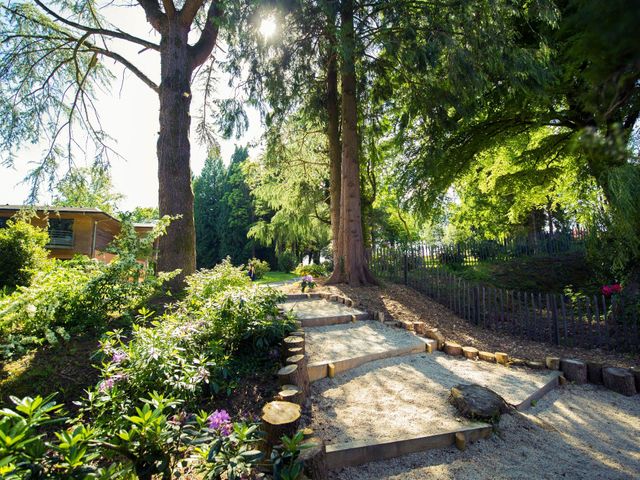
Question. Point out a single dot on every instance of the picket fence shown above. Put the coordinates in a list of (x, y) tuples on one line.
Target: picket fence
[(585, 321)]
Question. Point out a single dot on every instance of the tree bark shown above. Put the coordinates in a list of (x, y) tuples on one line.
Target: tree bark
[(351, 266), (333, 135), (177, 247)]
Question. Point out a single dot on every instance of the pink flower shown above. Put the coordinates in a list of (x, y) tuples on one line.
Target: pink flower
[(608, 290), (221, 421)]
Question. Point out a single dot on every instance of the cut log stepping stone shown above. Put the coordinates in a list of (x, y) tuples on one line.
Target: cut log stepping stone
[(313, 457), (419, 327), (290, 393), (302, 379), (452, 348), (619, 380), (574, 370), (298, 333), (552, 363), (436, 335), (636, 376), (517, 362), (279, 418), (487, 357), (502, 358), (293, 342), (477, 402), (288, 375), (594, 373), (470, 352)]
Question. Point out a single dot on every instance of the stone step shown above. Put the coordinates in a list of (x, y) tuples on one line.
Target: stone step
[(319, 312)]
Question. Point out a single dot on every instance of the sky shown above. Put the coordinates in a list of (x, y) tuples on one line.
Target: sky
[(130, 115)]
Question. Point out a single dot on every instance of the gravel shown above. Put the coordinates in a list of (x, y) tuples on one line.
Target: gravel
[(408, 396), (319, 308), (349, 340), (575, 432)]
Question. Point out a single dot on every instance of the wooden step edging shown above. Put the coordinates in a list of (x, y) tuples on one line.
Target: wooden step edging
[(335, 320), (351, 454), (541, 392), (319, 370)]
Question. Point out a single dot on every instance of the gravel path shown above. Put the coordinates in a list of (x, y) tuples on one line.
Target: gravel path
[(575, 432), (319, 308), (404, 303), (349, 340), (407, 396)]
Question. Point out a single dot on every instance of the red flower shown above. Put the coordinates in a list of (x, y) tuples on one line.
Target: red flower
[(608, 290)]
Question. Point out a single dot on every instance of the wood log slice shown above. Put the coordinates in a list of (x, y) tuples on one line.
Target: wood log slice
[(502, 358), (303, 373), (552, 363), (619, 380), (470, 352), (314, 459), (574, 370), (290, 393), (288, 375), (487, 357), (452, 348), (278, 419)]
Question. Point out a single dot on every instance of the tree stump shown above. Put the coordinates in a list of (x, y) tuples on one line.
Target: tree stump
[(476, 402), (298, 333), (487, 357), (334, 298), (636, 376), (278, 419), (290, 393), (502, 358), (291, 342), (407, 326), (619, 380), (574, 370), (419, 327), (594, 373), (470, 352), (303, 374), (314, 459), (461, 441), (349, 303), (517, 362), (436, 335), (552, 363), (288, 375), (452, 348)]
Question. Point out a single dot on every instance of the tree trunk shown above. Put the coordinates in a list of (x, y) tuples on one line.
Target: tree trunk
[(351, 266), (333, 134), (177, 246)]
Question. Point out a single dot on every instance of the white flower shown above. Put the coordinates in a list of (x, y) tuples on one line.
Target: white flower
[(31, 309)]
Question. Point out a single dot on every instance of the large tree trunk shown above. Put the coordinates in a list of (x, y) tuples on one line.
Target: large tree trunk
[(352, 264), (333, 134), (177, 247)]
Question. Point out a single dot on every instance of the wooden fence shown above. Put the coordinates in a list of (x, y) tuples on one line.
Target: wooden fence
[(474, 251), (589, 322)]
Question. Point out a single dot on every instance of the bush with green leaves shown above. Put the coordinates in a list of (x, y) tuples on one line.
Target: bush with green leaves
[(207, 283), (79, 295), (23, 252), (260, 267), (313, 269), (287, 261)]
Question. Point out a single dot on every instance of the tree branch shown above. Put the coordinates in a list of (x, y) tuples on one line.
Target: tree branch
[(155, 17), (120, 59), (189, 11), (204, 46), (100, 31), (169, 7)]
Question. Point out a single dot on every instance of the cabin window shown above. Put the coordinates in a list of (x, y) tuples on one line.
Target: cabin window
[(3, 222), (60, 232)]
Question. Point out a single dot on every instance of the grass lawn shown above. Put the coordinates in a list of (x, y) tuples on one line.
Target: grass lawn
[(271, 277)]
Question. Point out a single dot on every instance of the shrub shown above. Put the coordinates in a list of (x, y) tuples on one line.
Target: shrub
[(312, 269), (76, 296), (260, 267), (204, 284), (22, 252), (287, 261)]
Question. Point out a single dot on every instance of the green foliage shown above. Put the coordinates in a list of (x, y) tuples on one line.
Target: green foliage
[(88, 188), (73, 296), (224, 212), (260, 267), (287, 261), (313, 269), (205, 284), (22, 252), (284, 458)]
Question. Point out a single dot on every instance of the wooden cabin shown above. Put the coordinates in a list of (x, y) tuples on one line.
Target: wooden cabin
[(75, 231)]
